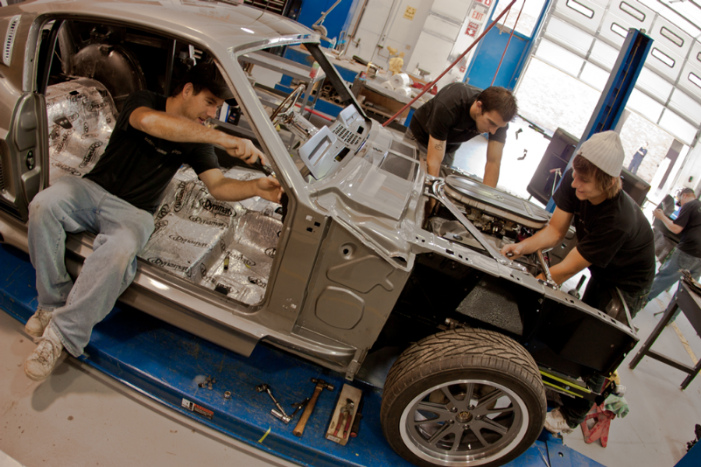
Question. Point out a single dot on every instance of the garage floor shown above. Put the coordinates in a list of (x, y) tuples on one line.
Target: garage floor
[(82, 417)]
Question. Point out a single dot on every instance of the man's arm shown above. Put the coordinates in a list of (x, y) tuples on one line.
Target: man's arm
[(227, 189), (179, 129), (435, 155), (491, 170), (669, 223), (546, 238), (568, 267)]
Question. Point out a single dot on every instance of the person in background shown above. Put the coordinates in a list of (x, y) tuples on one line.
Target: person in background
[(614, 240), (665, 239), (638, 159), (687, 254), (458, 113)]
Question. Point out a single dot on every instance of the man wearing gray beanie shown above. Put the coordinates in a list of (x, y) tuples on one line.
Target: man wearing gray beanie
[(614, 240)]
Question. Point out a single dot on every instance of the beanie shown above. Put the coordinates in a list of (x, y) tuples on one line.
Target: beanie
[(605, 151)]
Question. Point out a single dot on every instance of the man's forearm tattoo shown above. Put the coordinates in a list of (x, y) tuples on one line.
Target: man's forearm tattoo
[(439, 145)]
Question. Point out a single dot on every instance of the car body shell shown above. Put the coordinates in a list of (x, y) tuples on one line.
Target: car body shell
[(344, 259)]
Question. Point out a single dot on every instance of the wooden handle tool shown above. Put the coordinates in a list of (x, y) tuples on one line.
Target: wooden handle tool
[(320, 386)]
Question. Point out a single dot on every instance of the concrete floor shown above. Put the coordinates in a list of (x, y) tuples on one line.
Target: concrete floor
[(82, 417)]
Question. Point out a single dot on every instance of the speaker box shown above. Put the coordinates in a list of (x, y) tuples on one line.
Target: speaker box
[(635, 186), (557, 155), (552, 165)]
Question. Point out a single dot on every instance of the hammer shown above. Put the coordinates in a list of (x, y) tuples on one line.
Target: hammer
[(320, 386)]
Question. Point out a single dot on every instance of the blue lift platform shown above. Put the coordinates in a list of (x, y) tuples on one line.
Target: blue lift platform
[(167, 364)]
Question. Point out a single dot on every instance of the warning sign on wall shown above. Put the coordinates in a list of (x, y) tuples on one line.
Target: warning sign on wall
[(411, 11)]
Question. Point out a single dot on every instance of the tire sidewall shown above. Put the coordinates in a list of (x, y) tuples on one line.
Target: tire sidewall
[(454, 370)]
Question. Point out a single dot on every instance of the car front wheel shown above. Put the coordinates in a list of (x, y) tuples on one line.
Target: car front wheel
[(463, 397)]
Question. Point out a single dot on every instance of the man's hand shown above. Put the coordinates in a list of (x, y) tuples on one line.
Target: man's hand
[(659, 214), (269, 188), (513, 250), (243, 149)]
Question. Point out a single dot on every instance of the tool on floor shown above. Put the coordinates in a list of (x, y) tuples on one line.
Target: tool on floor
[(344, 418), (344, 415), (266, 388), (288, 418), (320, 386), (355, 429), (520, 130), (525, 153), (281, 416), (600, 430), (299, 406), (207, 383)]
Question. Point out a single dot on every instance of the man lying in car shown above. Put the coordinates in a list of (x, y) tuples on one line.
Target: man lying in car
[(614, 240), (153, 137)]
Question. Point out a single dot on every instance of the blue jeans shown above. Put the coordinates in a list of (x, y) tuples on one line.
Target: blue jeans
[(635, 163), (74, 205), (669, 273)]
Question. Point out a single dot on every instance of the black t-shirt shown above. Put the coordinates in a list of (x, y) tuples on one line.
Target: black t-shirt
[(446, 117), (138, 167), (690, 219), (667, 206), (614, 236)]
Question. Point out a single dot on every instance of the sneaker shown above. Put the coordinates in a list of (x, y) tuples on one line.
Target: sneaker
[(37, 323), (555, 423), (42, 361)]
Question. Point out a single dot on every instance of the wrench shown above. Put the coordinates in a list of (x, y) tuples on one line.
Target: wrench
[(265, 388)]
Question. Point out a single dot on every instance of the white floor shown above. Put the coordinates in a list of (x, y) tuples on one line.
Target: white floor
[(80, 417)]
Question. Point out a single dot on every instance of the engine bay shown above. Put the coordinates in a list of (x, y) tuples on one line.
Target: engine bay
[(499, 217)]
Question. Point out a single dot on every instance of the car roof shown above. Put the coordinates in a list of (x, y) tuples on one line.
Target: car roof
[(206, 21)]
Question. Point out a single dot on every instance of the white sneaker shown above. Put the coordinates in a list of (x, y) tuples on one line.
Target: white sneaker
[(37, 323), (555, 423), (42, 361)]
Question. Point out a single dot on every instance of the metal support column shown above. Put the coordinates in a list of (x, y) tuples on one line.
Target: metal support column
[(615, 95)]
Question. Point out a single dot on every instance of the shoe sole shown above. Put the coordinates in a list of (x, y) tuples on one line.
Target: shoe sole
[(35, 377)]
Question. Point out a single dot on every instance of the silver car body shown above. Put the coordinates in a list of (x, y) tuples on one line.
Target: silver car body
[(350, 239)]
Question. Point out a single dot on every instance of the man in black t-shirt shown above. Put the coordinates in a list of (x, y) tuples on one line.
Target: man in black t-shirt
[(458, 113), (153, 137), (687, 255), (614, 240), (665, 239)]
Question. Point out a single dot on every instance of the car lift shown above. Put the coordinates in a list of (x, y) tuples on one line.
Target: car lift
[(618, 88), (217, 387)]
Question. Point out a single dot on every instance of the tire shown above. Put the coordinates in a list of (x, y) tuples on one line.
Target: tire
[(429, 384)]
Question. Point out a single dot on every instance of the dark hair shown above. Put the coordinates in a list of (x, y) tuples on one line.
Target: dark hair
[(499, 99), (605, 182), (197, 88), (687, 191)]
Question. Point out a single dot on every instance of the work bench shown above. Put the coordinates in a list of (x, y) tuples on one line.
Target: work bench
[(689, 302)]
